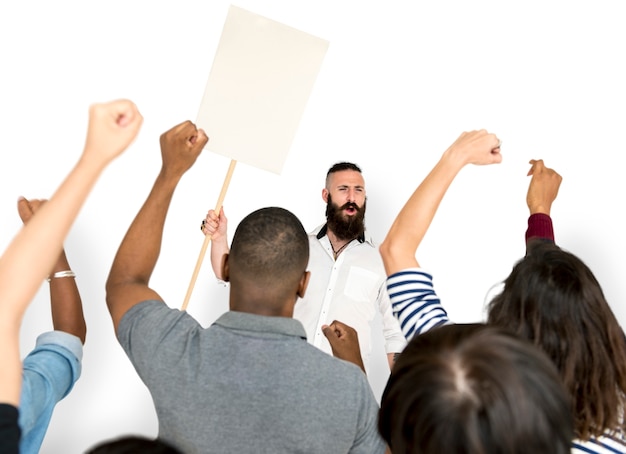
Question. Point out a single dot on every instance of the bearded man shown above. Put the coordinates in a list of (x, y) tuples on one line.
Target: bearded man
[(348, 279), (347, 274)]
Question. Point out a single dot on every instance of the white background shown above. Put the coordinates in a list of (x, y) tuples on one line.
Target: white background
[(401, 80)]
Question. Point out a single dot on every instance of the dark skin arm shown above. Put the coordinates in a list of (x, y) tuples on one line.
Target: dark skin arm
[(344, 341), (128, 281), (65, 302)]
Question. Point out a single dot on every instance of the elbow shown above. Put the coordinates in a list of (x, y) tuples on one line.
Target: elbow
[(396, 256), (387, 250), (384, 248), (82, 335)]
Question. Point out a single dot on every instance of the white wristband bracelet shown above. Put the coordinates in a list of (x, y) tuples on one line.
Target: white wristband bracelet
[(66, 273)]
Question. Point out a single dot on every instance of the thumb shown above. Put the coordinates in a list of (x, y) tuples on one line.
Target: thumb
[(329, 332), (24, 209), (123, 112)]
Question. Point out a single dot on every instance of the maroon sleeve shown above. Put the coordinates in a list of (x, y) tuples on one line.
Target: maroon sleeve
[(540, 226)]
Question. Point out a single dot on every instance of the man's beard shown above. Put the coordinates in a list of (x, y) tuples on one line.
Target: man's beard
[(345, 229)]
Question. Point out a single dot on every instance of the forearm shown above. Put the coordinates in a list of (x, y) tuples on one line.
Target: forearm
[(406, 233), (65, 302), (139, 251), (26, 263), (11, 370), (219, 249), (32, 254)]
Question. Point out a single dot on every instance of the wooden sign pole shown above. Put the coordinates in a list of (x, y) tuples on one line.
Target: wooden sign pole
[(207, 238)]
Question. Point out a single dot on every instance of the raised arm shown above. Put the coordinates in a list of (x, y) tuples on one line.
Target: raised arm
[(127, 284), (33, 252), (413, 298), (407, 231), (65, 302), (217, 227)]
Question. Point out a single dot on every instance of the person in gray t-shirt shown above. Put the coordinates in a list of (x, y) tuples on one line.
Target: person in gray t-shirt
[(250, 382)]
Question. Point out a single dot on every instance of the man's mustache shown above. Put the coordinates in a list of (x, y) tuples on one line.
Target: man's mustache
[(350, 205)]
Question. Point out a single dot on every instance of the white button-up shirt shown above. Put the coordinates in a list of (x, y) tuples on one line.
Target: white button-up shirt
[(349, 290)]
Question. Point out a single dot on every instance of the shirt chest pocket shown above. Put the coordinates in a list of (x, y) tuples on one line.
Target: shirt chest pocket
[(361, 285)]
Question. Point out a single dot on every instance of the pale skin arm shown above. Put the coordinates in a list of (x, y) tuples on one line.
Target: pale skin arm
[(33, 252), (127, 284), (217, 227), (65, 302), (543, 188), (407, 231)]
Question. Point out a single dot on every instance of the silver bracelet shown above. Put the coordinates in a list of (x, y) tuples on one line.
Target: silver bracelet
[(58, 274)]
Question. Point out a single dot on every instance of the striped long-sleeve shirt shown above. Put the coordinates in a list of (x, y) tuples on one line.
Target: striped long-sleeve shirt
[(418, 309)]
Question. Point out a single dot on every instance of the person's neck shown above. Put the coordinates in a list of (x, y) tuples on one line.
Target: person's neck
[(243, 302), (336, 244)]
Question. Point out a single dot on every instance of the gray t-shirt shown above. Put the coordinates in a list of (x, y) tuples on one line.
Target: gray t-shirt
[(248, 383)]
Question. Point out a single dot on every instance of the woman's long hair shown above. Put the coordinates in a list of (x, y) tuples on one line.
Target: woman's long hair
[(553, 299)]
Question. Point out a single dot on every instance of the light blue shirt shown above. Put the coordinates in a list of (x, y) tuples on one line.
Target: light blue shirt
[(49, 373)]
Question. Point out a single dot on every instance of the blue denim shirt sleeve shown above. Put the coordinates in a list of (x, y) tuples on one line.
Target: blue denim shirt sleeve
[(49, 374)]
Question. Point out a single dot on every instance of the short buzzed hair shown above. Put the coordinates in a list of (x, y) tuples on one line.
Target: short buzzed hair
[(338, 167), (270, 245), (341, 166), (475, 389)]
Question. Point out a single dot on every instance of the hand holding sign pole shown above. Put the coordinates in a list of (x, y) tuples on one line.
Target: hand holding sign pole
[(261, 78)]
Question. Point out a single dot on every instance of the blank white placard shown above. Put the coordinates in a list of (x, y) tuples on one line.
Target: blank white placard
[(261, 78)]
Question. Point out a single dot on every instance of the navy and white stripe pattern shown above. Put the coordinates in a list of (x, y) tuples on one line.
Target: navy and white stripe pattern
[(414, 301), (418, 309), (602, 445)]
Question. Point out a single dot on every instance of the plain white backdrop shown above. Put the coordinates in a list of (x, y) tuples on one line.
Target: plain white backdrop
[(401, 80)]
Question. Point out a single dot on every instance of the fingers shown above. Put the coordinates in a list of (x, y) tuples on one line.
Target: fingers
[(477, 147), (122, 112), (112, 128), (181, 128), (208, 227), (201, 138), (24, 209), (344, 342), (181, 146), (543, 188), (210, 223), (338, 330), (27, 208), (535, 166), (125, 113), (213, 224), (193, 136), (330, 333)]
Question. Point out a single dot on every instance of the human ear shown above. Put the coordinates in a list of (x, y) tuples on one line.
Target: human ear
[(304, 282)]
